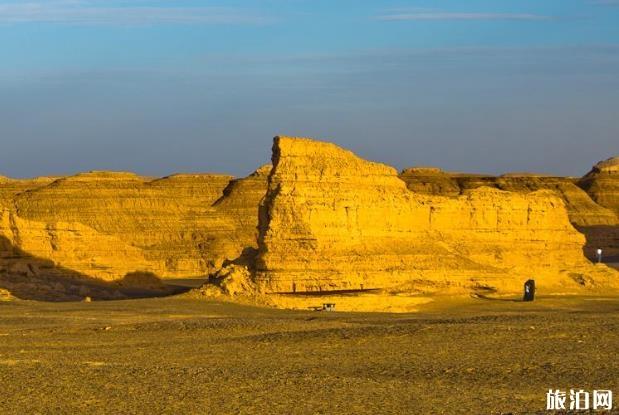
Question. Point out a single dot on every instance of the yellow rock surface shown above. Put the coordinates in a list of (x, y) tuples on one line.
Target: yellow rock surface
[(70, 245), (582, 210), (332, 221), (5, 295), (106, 225), (321, 219), (598, 222), (602, 183)]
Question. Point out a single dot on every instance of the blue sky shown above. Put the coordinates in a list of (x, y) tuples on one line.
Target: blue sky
[(165, 86)]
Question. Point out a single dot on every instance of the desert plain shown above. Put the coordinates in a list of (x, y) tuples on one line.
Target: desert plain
[(204, 293), (193, 356)]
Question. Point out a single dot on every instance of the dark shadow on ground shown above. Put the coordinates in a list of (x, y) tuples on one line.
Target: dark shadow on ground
[(326, 293), (486, 297), (186, 282), (28, 277)]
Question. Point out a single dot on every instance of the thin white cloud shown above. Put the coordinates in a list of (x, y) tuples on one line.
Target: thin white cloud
[(125, 13), (438, 16)]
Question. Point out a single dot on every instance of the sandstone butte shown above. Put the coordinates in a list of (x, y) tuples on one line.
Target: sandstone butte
[(320, 220), (592, 202)]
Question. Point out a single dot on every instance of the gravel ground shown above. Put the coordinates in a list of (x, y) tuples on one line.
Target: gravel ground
[(184, 356)]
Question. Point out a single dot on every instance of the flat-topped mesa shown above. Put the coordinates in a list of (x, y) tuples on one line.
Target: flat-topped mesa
[(582, 210), (332, 221), (430, 180), (602, 183), (108, 224), (608, 166)]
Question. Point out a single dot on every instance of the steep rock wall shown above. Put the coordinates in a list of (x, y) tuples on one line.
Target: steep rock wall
[(332, 221), (107, 225), (582, 210), (73, 246)]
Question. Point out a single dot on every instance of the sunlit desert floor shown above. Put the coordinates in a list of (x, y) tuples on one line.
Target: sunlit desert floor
[(182, 356)]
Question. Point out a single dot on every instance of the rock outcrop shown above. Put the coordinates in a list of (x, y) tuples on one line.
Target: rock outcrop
[(318, 219), (597, 221), (5, 295), (602, 183), (107, 226), (332, 221), (582, 210)]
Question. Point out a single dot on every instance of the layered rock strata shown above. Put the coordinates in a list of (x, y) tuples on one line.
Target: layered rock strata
[(591, 213), (108, 225), (582, 210), (332, 221), (602, 183)]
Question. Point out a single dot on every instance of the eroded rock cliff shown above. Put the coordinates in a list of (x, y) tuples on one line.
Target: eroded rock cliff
[(328, 221), (106, 226), (602, 183), (332, 221), (598, 222), (582, 210)]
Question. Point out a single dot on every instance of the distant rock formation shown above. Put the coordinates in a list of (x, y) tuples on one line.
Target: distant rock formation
[(318, 219), (582, 210), (589, 201), (602, 183), (332, 221), (108, 225)]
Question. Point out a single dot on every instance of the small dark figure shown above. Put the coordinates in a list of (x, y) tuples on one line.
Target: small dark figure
[(529, 290)]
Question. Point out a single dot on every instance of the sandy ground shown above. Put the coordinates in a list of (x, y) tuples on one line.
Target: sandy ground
[(183, 356)]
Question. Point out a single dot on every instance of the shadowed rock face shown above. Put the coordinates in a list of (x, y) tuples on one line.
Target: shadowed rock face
[(28, 277), (602, 184), (332, 221)]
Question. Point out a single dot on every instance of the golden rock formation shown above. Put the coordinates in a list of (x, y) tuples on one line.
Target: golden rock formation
[(5, 295), (332, 221), (598, 222), (602, 183), (319, 219), (107, 226), (68, 244), (582, 210)]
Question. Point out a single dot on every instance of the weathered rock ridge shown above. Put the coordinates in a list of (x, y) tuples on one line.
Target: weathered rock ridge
[(106, 226), (320, 219), (602, 183), (591, 202), (332, 221), (582, 209)]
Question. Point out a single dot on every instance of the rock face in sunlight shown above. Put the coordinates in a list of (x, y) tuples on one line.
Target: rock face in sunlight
[(602, 183), (107, 225), (591, 213), (582, 210), (319, 219), (70, 244), (332, 221), (5, 295)]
